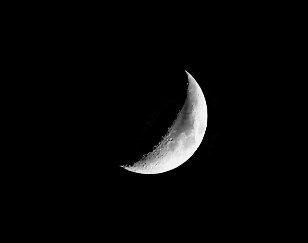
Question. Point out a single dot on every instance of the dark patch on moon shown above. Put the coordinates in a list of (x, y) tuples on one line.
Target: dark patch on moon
[(201, 129), (185, 121), (173, 145), (155, 125), (188, 142), (193, 92)]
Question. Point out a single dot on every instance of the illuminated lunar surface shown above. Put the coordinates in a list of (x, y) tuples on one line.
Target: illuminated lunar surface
[(183, 137)]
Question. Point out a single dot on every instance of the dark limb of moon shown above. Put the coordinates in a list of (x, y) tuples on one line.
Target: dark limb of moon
[(156, 124), (183, 125)]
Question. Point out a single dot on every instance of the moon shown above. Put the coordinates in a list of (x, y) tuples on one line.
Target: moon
[(183, 137)]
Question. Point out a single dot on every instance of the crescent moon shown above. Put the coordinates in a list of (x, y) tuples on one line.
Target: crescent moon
[(183, 137)]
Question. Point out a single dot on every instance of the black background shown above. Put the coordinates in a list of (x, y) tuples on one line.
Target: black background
[(106, 101), (94, 81), (84, 79), (95, 90)]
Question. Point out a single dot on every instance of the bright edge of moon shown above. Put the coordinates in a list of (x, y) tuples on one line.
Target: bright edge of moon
[(181, 141)]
